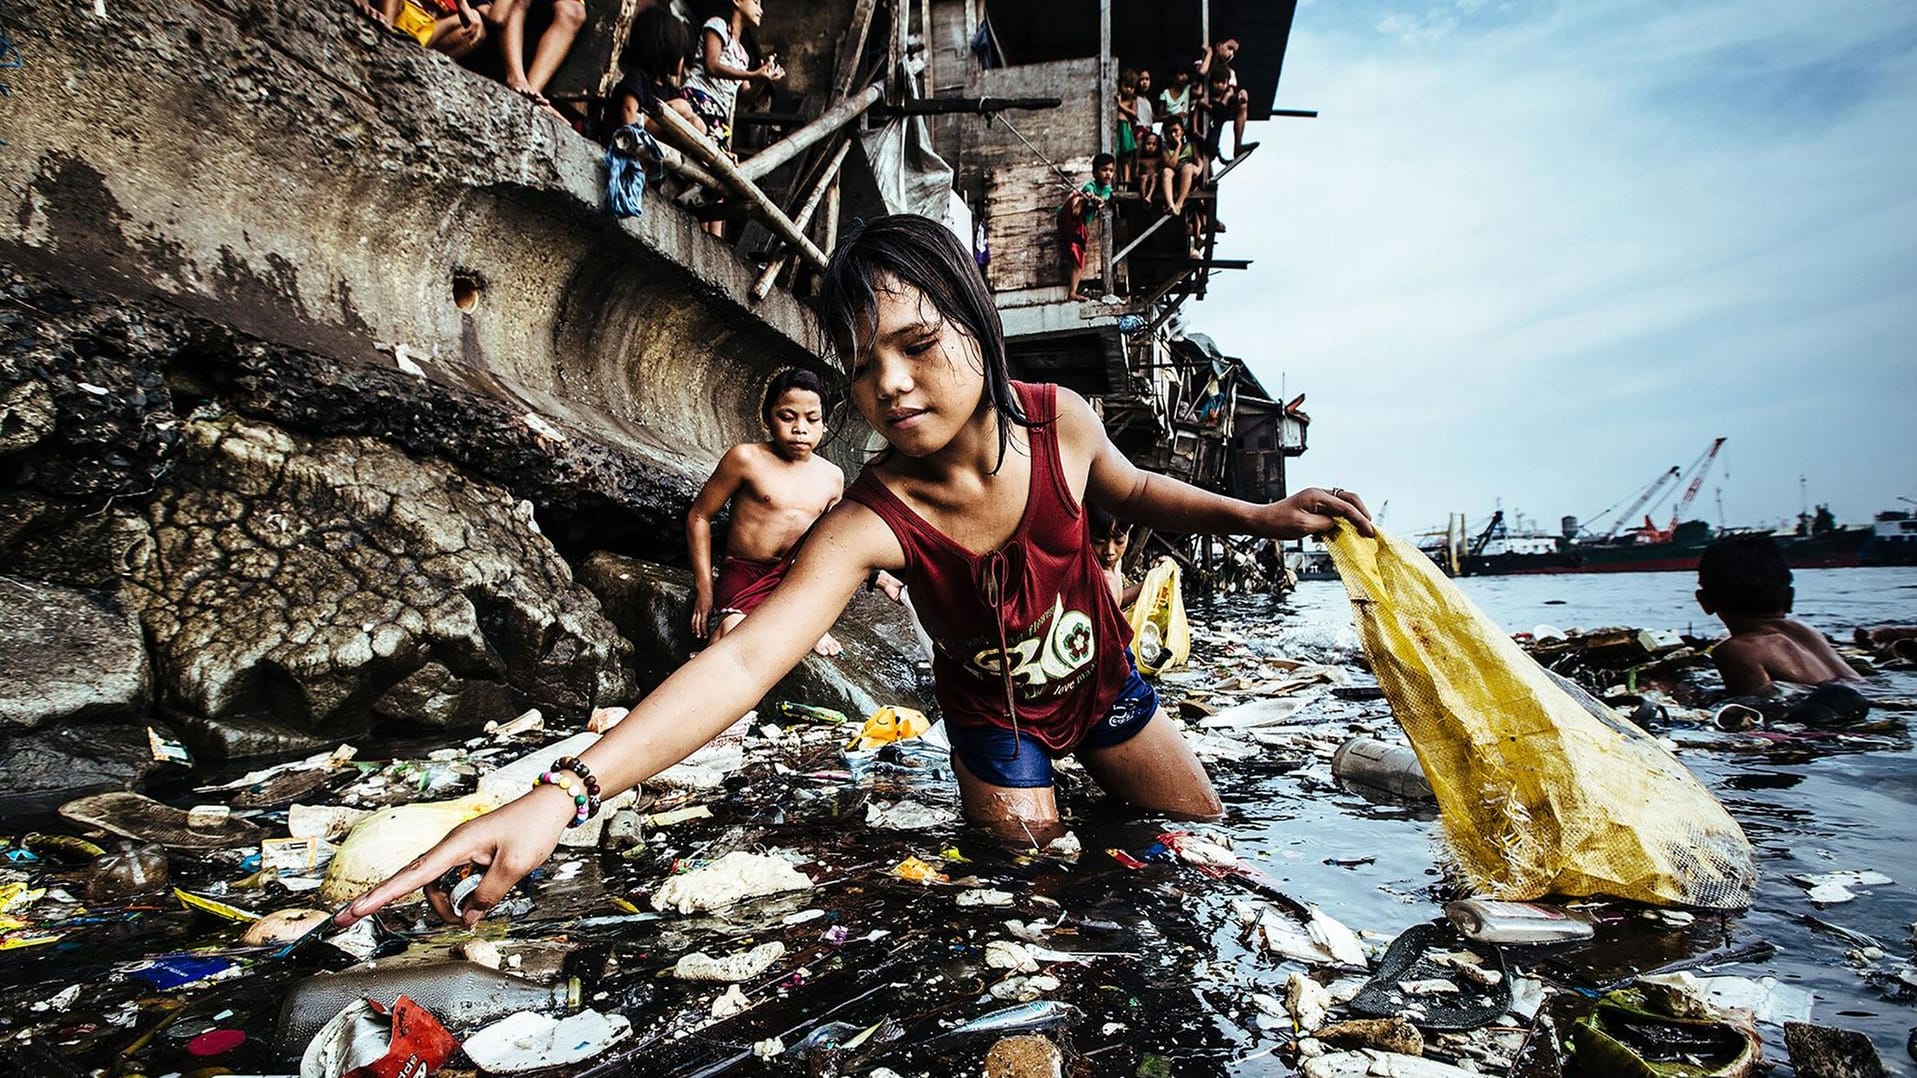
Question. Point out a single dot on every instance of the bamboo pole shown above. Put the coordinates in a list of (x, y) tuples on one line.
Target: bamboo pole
[(845, 69), (832, 217), (676, 163), (1107, 121), (761, 164), (764, 284), (728, 173)]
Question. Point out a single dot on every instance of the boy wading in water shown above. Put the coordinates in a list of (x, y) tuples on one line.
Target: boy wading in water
[(1746, 583), (978, 501), (777, 488)]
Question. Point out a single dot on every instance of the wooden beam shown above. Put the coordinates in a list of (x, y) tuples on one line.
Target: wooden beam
[(722, 167), (1143, 236), (1107, 123), (764, 284), (931, 50), (846, 67), (676, 163), (761, 164), (1199, 263), (938, 106), (832, 217)]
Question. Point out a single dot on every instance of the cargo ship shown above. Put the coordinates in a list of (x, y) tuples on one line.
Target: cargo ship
[(1892, 540)]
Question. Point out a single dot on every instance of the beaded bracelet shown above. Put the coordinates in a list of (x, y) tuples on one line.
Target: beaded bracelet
[(579, 784)]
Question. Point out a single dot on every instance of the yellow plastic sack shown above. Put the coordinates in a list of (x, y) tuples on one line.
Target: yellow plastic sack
[(1540, 793), (1161, 638)]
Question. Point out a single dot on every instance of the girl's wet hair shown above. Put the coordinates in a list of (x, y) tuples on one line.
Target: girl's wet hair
[(785, 381), (906, 249)]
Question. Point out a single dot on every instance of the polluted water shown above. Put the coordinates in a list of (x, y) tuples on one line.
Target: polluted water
[(804, 898)]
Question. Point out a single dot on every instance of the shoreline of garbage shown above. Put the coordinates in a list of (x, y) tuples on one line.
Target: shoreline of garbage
[(779, 902)]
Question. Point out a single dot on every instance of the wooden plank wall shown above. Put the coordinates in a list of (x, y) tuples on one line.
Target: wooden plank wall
[(1021, 213)]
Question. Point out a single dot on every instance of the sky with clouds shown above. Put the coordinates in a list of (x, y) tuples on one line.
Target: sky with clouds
[(1541, 252)]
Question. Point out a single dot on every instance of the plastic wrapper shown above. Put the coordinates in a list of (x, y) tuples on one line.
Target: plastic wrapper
[(1161, 637)]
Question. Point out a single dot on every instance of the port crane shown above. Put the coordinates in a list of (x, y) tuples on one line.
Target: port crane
[(1696, 473), (1637, 504)]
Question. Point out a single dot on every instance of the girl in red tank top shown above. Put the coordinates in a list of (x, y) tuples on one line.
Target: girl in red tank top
[(978, 500)]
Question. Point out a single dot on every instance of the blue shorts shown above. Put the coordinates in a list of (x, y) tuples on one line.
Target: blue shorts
[(987, 751)]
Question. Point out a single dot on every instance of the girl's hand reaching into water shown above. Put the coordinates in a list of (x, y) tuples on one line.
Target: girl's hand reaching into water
[(1313, 511), (507, 843)]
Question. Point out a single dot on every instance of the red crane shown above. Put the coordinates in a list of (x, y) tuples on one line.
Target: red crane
[(1643, 498), (1698, 469)]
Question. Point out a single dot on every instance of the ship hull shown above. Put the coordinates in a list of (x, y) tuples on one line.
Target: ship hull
[(1841, 549)]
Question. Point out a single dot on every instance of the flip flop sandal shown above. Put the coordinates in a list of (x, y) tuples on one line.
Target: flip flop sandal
[(1405, 960), (140, 817)]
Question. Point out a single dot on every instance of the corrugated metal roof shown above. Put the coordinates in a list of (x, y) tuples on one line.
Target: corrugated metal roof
[(1156, 34)]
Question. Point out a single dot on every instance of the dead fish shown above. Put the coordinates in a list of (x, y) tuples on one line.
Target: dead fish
[(1024, 1018)]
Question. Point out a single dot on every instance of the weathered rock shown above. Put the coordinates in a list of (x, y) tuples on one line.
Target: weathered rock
[(435, 696), (236, 737), (1386, 1034), (85, 413), (78, 544), (119, 376), (652, 605), (1827, 1052), (26, 416), (448, 217), (300, 582), (41, 770), (67, 656)]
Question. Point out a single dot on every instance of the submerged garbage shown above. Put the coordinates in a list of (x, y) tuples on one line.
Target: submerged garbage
[(802, 897)]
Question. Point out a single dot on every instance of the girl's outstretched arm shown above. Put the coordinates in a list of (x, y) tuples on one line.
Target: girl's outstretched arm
[(1115, 484), (702, 698)]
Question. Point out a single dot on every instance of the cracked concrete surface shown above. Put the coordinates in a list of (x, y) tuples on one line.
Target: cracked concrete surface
[(311, 583)]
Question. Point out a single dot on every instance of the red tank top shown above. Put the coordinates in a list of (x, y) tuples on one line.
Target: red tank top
[(1034, 620)]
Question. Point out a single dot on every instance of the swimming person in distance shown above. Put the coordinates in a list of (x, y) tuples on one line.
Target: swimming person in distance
[(1745, 582)]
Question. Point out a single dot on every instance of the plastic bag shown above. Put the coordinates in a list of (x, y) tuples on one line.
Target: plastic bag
[(887, 724), (1541, 792), (1161, 638)]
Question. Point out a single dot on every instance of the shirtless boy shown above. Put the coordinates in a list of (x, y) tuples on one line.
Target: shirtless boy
[(777, 488), (1744, 580)]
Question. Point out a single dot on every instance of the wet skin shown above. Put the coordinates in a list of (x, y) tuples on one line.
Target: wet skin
[(1768, 648), (918, 380)]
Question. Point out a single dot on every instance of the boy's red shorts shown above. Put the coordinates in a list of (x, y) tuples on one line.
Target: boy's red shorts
[(744, 583), (1073, 237)]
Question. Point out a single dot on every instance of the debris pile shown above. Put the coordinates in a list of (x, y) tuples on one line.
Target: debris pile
[(802, 896)]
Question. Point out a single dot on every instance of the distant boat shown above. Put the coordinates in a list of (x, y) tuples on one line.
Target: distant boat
[(1893, 541)]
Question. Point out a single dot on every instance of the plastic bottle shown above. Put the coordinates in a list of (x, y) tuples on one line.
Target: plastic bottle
[(1490, 921), (462, 995), (1151, 646), (1383, 767), (135, 868)]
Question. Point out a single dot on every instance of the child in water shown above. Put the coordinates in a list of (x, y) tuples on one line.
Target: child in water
[(978, 502), (1744, 580)]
